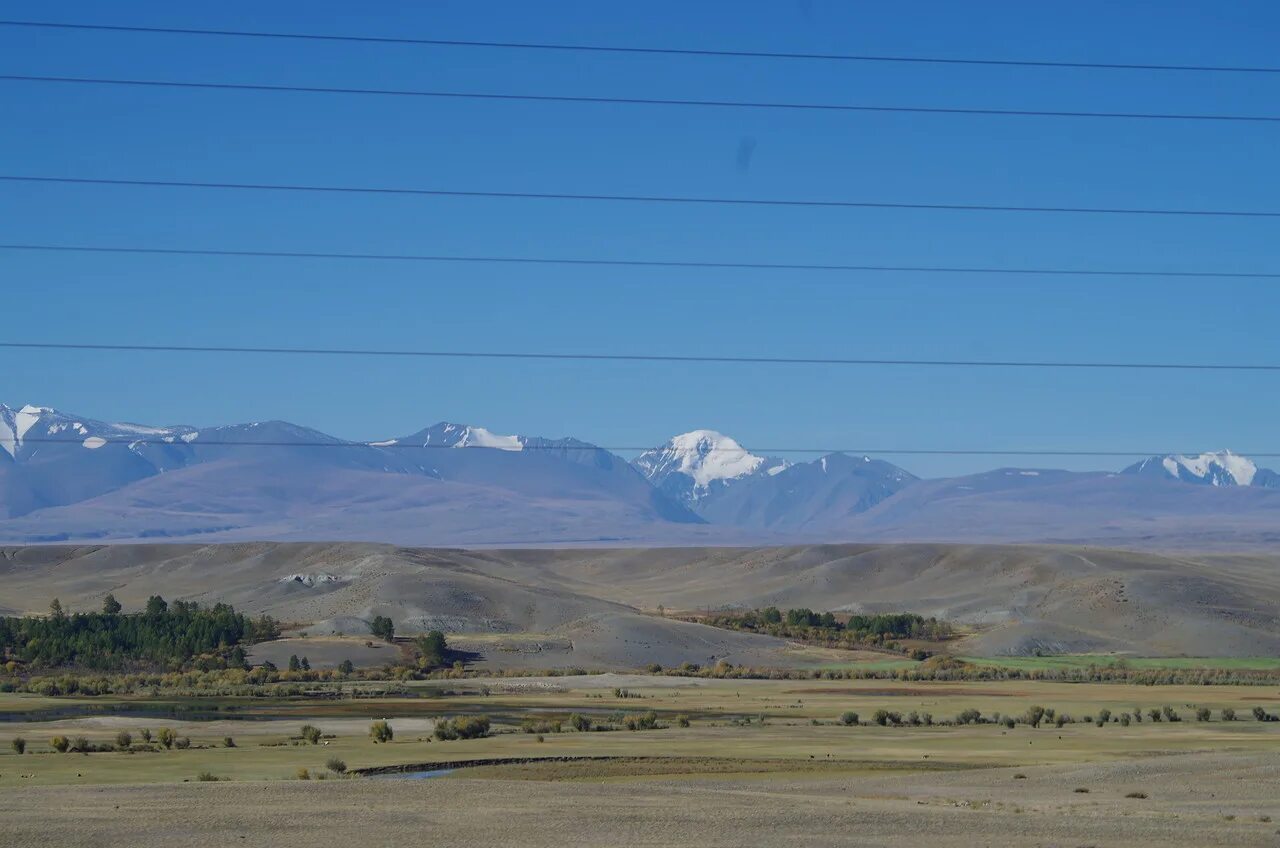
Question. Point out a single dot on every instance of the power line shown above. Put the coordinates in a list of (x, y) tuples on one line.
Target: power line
[(645, 101), (659, 51), (642, 198), (647, 357), (626, 448), (643, 263)]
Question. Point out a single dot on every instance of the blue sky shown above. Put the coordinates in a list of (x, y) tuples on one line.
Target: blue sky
[(236, 136)]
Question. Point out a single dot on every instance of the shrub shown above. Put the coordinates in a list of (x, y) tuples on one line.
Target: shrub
[(642, 721), (969, 716), (145, 735), (1081, 789), (433, 650), (536, 725), (1124, 719), (207, 777), (1136, 795), (579, 722), (166, 736), (1170, 714), (303, 774), (1202, 714), (60, 744), (182, 742), (1228, 714), (19, 745), (1034, 715), (123, 740), (310, 733), (682, 720), (849, 718), (462, 727), (381, 731), (1154, 715), (1104, 716), (80, 745), (335, 765), (346, 667), (1019, 776), (383, 628), (228, 742), (1009, 722)]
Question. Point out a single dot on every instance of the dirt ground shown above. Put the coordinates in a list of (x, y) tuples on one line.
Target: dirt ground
[(1192, 800)]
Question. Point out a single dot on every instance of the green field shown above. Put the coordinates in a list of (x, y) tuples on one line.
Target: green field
[(1065, 661)]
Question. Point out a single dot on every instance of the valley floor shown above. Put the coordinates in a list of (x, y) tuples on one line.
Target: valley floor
[(1192, 800), (761, 762)]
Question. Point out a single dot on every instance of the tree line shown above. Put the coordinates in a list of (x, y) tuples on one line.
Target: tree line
[(802, 623), (178, 635)]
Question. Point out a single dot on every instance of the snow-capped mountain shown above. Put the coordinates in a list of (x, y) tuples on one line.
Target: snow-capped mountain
[(692, 465), (446, 434), (1220, 468), (25, 431)]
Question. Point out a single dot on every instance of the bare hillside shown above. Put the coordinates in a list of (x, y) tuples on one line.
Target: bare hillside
[(593, 607)]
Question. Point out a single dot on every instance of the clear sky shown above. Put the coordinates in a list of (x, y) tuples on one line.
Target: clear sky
[(311, 138)]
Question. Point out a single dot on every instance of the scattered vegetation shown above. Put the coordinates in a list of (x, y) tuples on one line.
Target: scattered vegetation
[(335, 765), (380, 731), (19, 745)]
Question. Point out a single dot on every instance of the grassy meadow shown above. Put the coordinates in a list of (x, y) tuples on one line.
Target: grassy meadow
[(734, 726)]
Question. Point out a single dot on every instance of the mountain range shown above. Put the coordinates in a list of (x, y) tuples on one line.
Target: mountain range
[(68, 478)]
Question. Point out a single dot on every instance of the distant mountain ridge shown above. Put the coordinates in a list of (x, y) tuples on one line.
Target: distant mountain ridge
[(65, 477)]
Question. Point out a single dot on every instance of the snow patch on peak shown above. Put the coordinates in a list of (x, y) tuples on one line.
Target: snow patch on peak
[(26, 419), (479, 437)]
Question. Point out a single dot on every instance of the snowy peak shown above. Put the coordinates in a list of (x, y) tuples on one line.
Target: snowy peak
[(1220, 468), (691, 464)]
